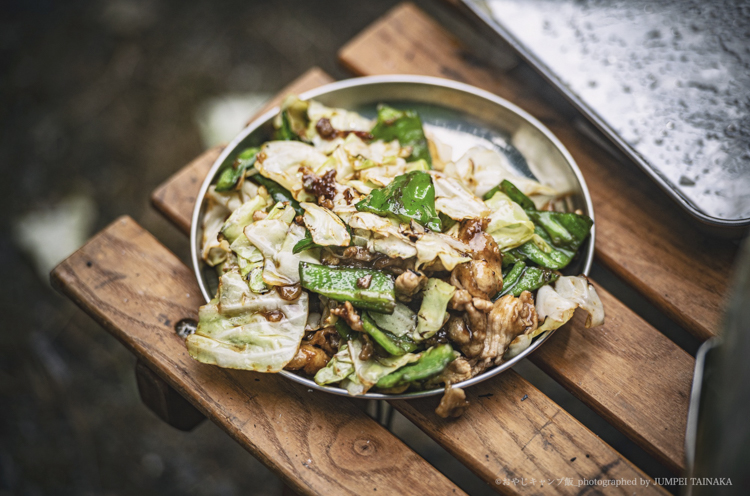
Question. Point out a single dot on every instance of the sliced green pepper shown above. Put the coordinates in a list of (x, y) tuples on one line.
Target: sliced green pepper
[(565, 229), (343, 329), (278, 192), (340, 284), (409, 196), (305, 243), (230, 176), (395, 345), (510, 278), (531, 279), (432, 362), (285, 131), (406, 127)]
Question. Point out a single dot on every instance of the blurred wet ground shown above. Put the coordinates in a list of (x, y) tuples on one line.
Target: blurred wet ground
[(99, 103)]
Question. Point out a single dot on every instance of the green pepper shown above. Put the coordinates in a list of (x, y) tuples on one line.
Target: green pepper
[(395, 345), (340, 284), (278, 192), (285, 131), (231, 175), (406, 127), (531, 279), (510, 278), (511, 192), (432, 362), (305, 243), (343, 329), (409, 196), (565, 229)]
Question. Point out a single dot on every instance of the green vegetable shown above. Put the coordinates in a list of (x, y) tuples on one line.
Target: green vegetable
[(285, 132), (401, 321), (338, 368), (409, 196), (565, 229), (340, 284), (406, 127), (511, 277), (531, 279), (391, 343), (432, 313), (516, 195), (305, 243), (278, 192), (432, 362), (446, 221), (241, 218), (343, 329), (231, 175)]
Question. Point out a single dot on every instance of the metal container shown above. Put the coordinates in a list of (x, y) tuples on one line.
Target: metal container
[(681, 75), (459, 115)]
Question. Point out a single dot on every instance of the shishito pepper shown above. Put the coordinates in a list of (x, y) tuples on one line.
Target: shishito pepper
[(409, 196), (432, 362), (278, 192), (395, 345), (341, 284), (563, 232), (406, 127), (526, 279), (231, 175)]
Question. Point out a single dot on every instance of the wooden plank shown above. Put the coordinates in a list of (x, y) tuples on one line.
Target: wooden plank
[(175, 198), (629, 373), (624, 361), (679, 269), (138, 290), (134, 287), (513, 431)]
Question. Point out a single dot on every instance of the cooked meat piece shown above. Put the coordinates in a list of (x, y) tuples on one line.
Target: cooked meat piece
[(478, 277), (482, 305), (482, 277), (349, 314), (453, 403), (510, 316), (456, 371), (259, 215), (324, 185), (409, 284), (358, 253), (326, 338), (309, 358), (458, 332), (328, 132), (460, 298)]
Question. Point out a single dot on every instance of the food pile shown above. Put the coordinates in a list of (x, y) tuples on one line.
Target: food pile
[(360, 254)]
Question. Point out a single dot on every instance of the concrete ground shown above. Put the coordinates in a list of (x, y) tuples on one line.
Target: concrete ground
[(99, 103)]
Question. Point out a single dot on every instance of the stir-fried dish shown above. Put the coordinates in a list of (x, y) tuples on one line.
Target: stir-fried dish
[(359, 253)]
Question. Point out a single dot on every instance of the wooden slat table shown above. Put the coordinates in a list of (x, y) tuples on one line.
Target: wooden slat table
[(627, 371)]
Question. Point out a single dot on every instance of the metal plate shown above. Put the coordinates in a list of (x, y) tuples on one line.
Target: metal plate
[(666, 82), (459, 115)]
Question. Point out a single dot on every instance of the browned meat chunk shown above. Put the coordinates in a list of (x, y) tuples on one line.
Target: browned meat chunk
[(453, 403), (409, 284), (308, 358), (349, 314)]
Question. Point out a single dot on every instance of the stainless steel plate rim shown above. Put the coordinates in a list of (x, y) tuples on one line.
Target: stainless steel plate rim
[(374, 81)]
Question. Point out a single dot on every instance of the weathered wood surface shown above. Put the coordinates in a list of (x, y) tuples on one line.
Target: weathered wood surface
[(134, 287), (175, 198), (513, 431), (319, 443), (621, 394), (641, 235)]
